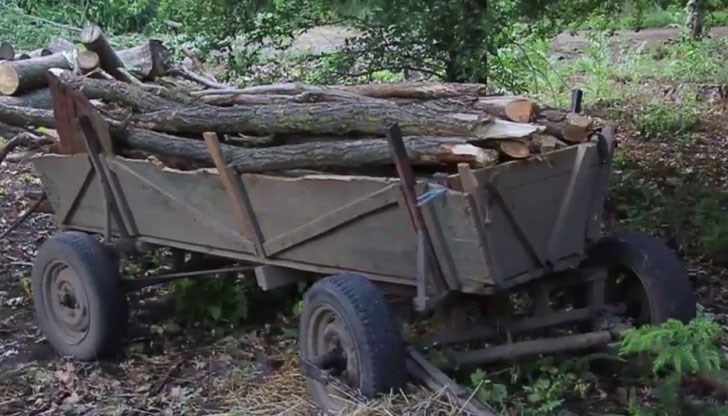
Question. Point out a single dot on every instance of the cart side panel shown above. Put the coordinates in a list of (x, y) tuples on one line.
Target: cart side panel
[(355, 223), (534, 194)]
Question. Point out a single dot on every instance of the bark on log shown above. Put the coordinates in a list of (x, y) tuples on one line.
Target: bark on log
[(149, 60), (94, 40), (314, 119), (518, 109), (572, 128), (58, 45), (22, 76), (87, 61), (402, 90), (40, 98), (114, 92), (26, 116), (7, 52), (431, 151)]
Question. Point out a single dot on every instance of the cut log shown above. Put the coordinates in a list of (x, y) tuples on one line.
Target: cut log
[(40, 98), (7, 52), (428, 90), (314, 119), (572, 128), (87, 61), (544, 143), (22, 76), (518, 109), (114, 92), (514, 149), (26, 116), (21, 57), (148, 61), (58, 45), (94, 40), (431, 151), (503, 129)]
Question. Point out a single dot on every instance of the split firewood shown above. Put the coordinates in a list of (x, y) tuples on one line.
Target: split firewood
[(503, 129), (543, 143), (17, 77), (7, 52), (429, 151)]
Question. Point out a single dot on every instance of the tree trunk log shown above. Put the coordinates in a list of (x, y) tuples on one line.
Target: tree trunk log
[(149, 61), (314, 119), (694, 18), (26, 116), (431, 151), (22, 76), (114, 91), (94, 40), (40, 98), (420, 90), (518, 109), (58, 45), (7, 52)]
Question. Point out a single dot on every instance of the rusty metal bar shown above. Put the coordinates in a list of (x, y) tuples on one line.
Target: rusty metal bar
[(407, 178), (518, 350)]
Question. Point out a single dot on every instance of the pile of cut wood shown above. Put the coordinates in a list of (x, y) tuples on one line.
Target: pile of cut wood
[(159, 110)]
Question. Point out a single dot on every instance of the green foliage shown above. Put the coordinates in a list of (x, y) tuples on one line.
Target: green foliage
[(677, 347), (211, 303), (657, 120)]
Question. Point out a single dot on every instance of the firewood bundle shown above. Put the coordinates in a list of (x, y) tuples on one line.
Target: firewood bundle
[(157, 110)]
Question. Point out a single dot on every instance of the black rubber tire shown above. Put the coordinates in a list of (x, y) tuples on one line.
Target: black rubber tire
[(374, 329), (99, 276), (662, 275)]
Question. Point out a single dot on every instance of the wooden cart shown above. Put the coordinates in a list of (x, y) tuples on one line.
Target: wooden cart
[(465, 242)]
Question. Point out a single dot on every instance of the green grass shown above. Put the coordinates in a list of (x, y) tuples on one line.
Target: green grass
[(653, 17)]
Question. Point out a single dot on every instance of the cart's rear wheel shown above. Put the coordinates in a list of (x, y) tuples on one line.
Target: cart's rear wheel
[(347, 329), (79, 302), (645, 276)]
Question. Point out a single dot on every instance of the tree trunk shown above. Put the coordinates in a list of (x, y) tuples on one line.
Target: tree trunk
[(7, 52), (313, 119), (318, 155), (26, 116), (118, 92), (40, 98), (58, 45), (694, 18), (411, 90), (22, 76), (149, 61), (94, 40)]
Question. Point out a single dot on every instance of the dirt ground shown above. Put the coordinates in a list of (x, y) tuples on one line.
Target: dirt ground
[(252, 371)]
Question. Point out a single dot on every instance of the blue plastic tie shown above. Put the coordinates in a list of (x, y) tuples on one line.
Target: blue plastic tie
[(430, 195)]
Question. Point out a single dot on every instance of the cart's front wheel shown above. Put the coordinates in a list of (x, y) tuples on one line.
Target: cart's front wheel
[(79, 303), (645, 276), (348, 331)]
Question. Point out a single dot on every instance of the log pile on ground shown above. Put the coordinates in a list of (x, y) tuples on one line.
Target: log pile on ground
[(160, 110)]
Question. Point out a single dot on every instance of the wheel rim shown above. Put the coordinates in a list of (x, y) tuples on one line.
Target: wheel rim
[(624, 287), (65, 302), (330, 345)]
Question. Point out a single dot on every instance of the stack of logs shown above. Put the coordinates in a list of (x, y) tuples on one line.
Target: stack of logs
[(159, 110)]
